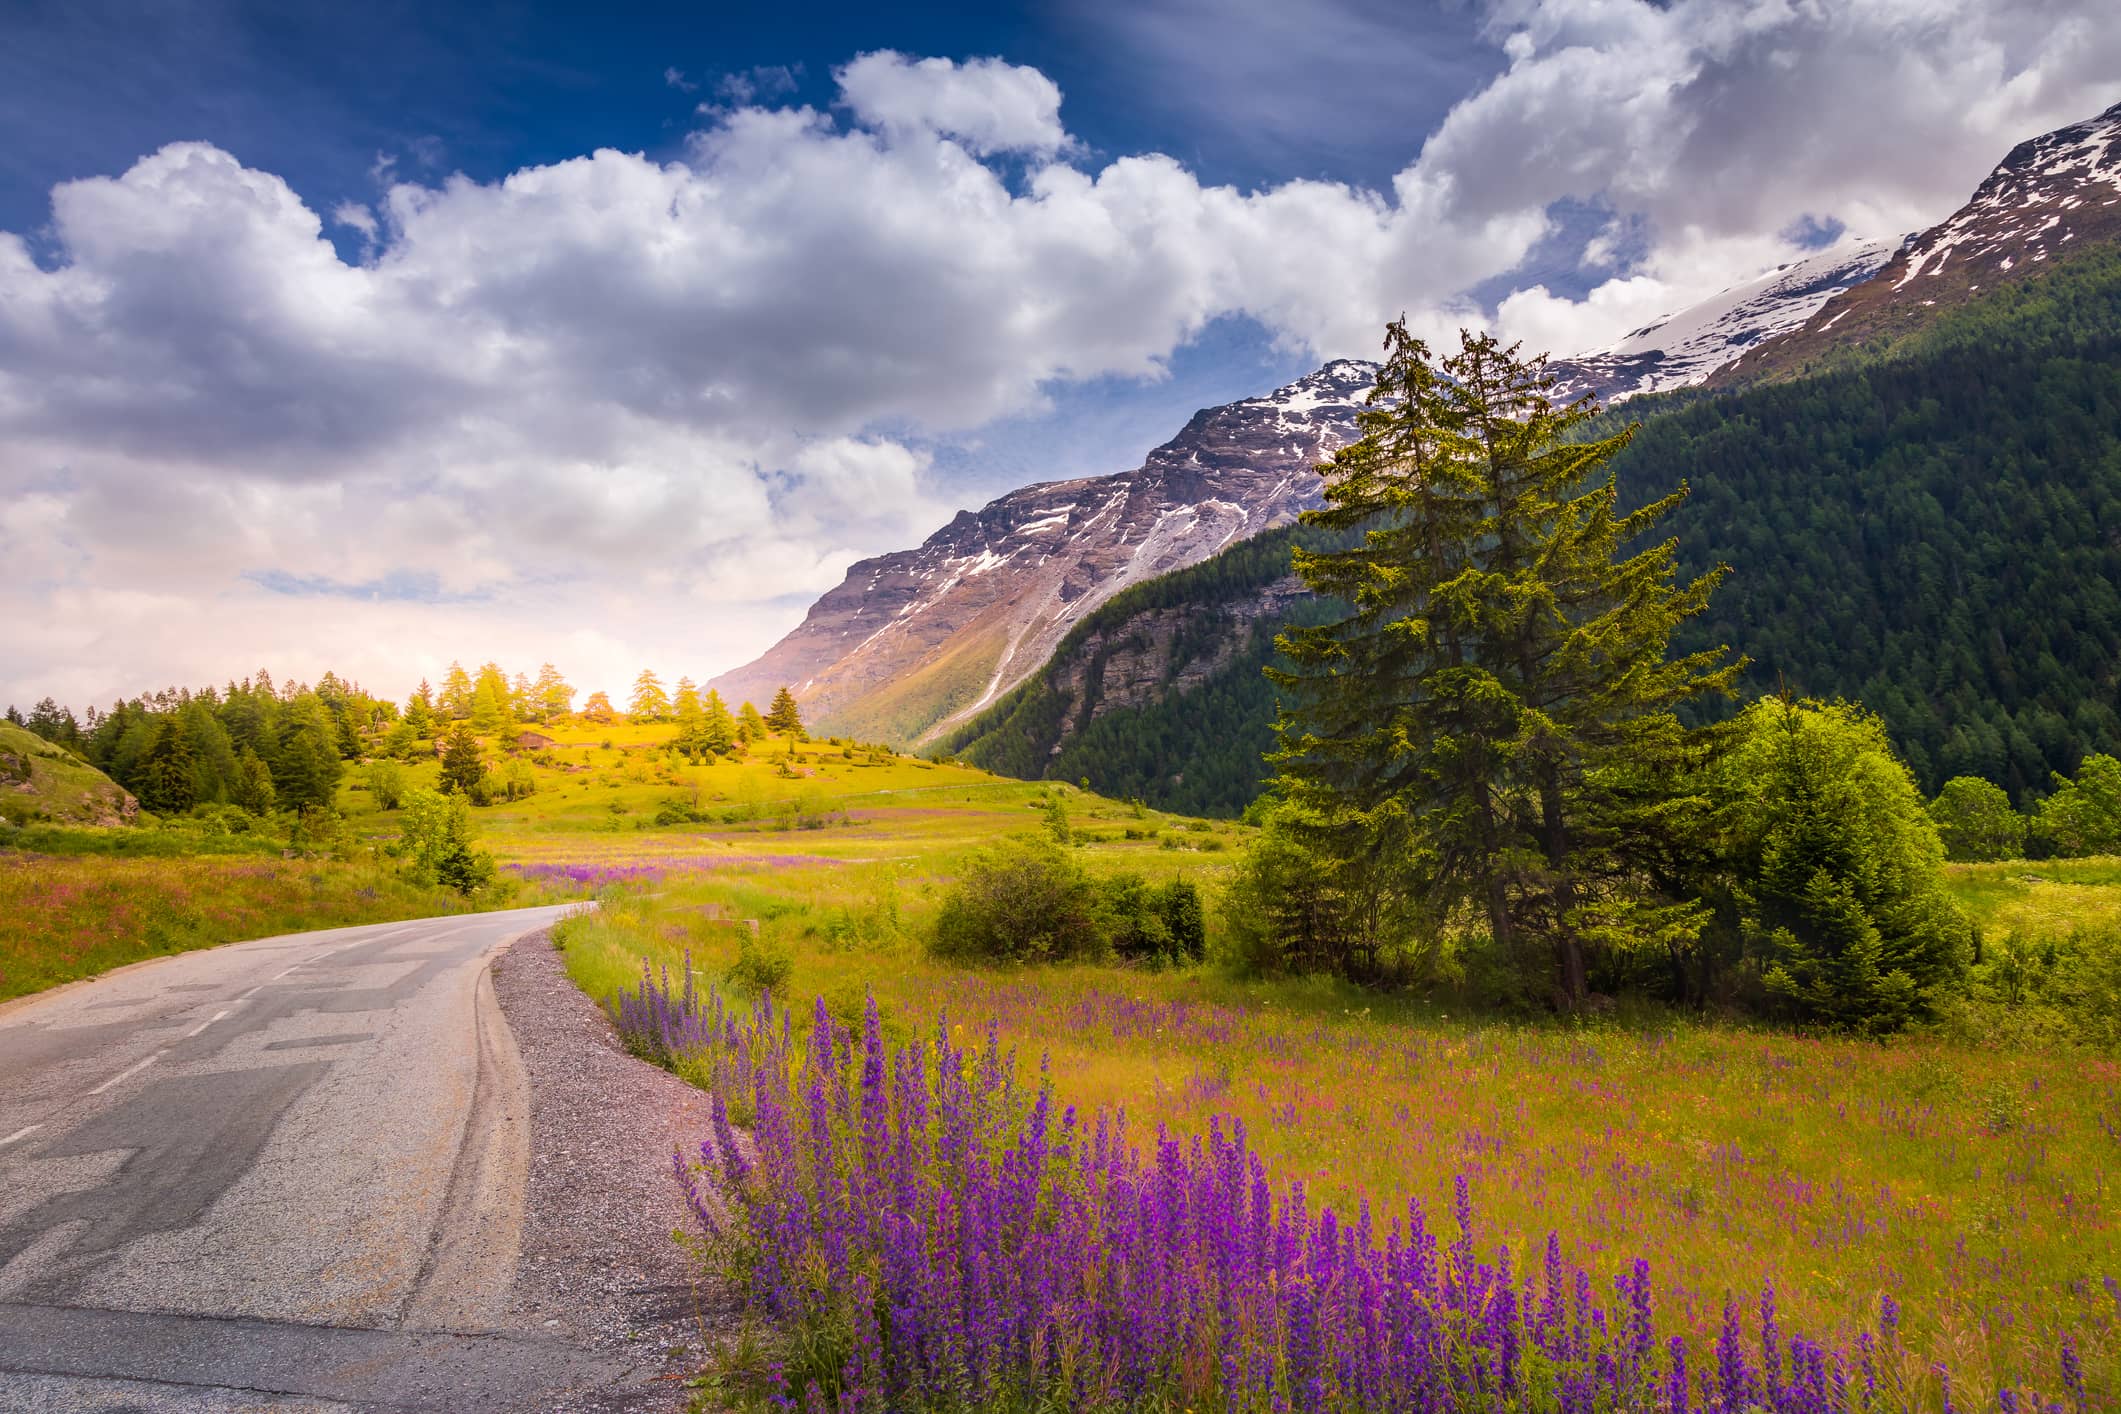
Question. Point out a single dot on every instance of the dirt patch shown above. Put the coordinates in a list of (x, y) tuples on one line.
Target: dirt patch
[(599, 1266)]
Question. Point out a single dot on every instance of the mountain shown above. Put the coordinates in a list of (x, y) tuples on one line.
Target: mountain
[(1933, 529), (2050, 196), (913, 641), (914, 644), (1159, 694), (1684, 349)]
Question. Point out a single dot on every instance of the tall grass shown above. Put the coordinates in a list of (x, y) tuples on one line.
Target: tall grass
[(72, 916), (1977, 1187)]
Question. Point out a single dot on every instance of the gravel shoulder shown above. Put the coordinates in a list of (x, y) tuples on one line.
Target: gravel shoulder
[(598, 1266)]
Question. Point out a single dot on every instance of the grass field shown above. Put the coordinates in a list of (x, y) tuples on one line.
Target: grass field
[(1976, 1185), (64, 917), (1980, 1188)]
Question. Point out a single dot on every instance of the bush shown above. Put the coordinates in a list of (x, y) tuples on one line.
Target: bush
[(762, 965), (1976, 822), (386, 784), (1023, 901), (436, 839), (2083, 816), (1158, 923)]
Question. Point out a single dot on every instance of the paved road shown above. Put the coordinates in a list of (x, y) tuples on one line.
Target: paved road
[(284, 1174)]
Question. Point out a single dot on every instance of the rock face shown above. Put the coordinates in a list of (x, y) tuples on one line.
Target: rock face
[(914, 641), (2053, 195)]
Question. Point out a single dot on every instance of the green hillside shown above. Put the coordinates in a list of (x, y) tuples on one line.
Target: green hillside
[(1932, 526), (46, 783)]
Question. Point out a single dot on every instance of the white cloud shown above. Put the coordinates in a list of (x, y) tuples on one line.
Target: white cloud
[(662, 400), (990, 105)]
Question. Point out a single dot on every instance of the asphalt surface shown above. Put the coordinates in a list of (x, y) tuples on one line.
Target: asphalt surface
[(280, 1175)]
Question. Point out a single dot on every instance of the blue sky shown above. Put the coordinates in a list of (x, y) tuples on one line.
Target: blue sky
[(371, 337)]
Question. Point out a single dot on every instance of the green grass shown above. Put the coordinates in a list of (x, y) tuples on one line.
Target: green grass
[(64, 917), (2043, 896), (40, 782), (1978, 1185)]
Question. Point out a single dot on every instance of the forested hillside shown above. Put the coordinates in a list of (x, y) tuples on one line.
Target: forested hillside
[(1188, 726), (1933, 528), (1935, 531)]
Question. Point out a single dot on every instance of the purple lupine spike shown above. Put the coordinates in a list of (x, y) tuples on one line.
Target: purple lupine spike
[(1675, 1385), (2073, 1373)]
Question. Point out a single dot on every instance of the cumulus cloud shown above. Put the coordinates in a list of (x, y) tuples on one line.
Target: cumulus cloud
[(671, 399)]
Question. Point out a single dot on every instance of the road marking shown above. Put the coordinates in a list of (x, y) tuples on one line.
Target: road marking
[(134, 1069), (241, 996), (203, 1025), (284, 971), (24, 1132)]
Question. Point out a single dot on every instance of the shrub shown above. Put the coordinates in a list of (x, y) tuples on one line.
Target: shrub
[(762, 965), (2083, 816), (436, 838), (386, 784), (1158, 923), (1023, 901), (1976, 821)]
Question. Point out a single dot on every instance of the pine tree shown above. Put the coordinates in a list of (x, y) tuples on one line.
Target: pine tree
[(691, 717), (306, 762), (253, 789), (650, 703), (420, 710), (489, 713), (166, 785), (1488, 713), (454, 701), (718, 730), (784, 717), (461, 766)]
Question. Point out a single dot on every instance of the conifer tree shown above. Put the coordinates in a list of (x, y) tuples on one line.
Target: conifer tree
[(554, 697), (1493, 715), (166, 785), (649, 703), (691, 717), (420, 710), (784, 717), (461, 766), (253, 790), (523, 699), (454, 700), (489, 713), (718, 729), (306, 762), (750, 726)]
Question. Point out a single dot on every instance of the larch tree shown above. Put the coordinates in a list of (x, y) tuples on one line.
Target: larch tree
[(554, 697), (718, 729), (1493, 722), (650, 703), (750, 726), (454, 701)]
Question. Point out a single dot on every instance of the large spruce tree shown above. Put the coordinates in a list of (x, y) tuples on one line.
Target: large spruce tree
[(1491, 726)]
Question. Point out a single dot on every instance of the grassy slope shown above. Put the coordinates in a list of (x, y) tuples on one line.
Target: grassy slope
[(40, 781)]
